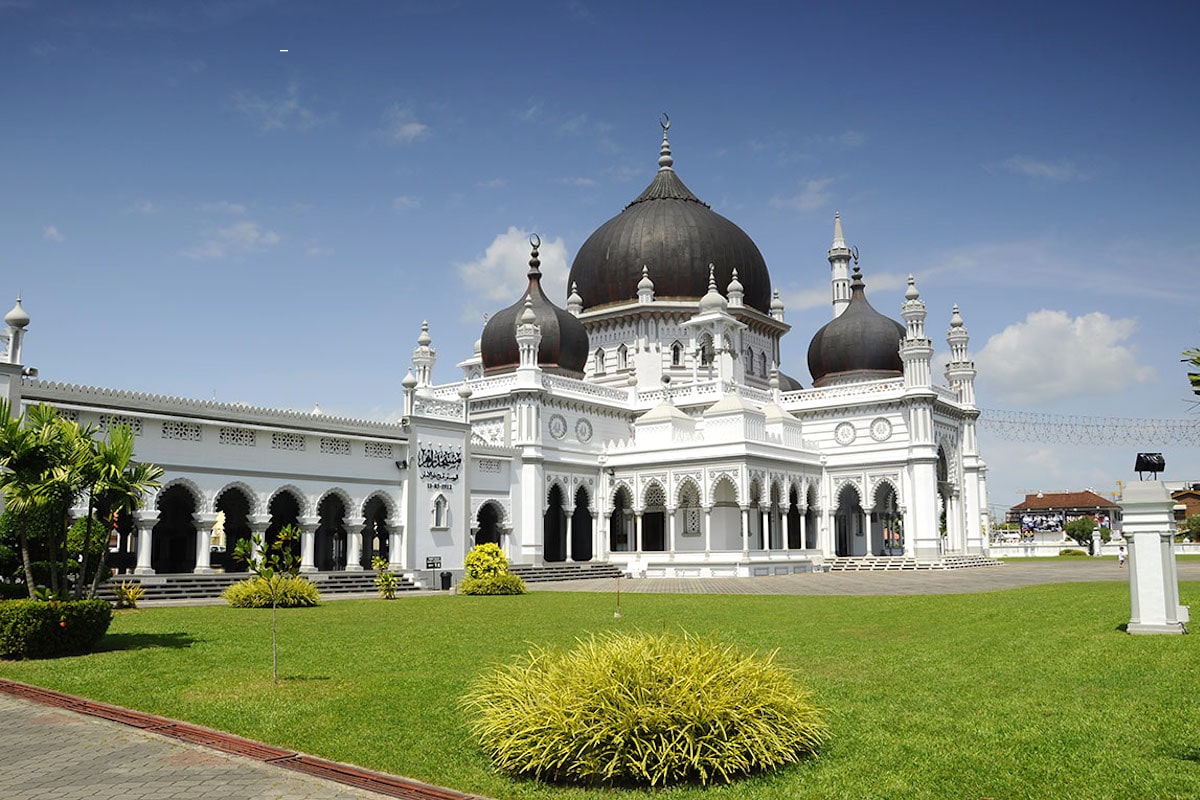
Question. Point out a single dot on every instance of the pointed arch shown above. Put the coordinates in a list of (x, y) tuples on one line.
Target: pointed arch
[(252, 496), (688, 484), (676, 353), (489, 523), (599, 361), (564, 493), (728, 496), (197, 494), (622, 357), (297, 495), (620, 522), (581, 526)]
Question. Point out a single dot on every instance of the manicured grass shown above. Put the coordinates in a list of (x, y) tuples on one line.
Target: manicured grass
[(1028, 693)]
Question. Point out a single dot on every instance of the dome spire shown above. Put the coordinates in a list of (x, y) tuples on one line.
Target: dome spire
[(535, 264), (665, 162)]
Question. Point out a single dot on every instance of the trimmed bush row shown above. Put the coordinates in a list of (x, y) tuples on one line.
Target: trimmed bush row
[(291, 592), (36, 629)]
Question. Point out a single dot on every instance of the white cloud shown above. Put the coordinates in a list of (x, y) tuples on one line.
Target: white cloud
[(318, 251), (402, 127), (1060, 171), (145, 207), (577, 181), (1051, 355), (882, 290), (278, 113), (851, 139), (50, 233), (239, 239), (405, 203), (813, 195), (223, 207), (497, 279)]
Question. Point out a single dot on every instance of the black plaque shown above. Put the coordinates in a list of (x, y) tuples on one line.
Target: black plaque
[(433, 562)]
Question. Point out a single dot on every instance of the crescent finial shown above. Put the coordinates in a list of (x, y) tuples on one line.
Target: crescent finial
[(665, 121)]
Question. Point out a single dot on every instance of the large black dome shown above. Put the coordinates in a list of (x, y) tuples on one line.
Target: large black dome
[(564, 344), (669, 230), (860, 342)]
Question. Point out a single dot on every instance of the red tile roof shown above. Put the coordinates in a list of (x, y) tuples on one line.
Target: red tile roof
[(1044, 501)]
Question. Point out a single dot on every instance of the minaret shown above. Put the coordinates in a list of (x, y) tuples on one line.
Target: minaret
[(529, 336), (17, 321), (574, 301), (424, 357), (916, 351), (839, 265), (960, 370), (777, 307)]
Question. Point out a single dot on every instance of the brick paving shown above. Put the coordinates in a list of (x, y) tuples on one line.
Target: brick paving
[(56, 754)]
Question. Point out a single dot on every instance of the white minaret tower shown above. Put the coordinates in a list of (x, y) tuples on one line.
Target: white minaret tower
[(960, 371), (735, 292), (424, 357), (777, 306), (574, 301), (17, 321), (916, 351), (529, 336), (645, 287), (839, 266)]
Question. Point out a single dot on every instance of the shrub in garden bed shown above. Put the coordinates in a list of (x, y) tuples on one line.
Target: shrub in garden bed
[(290, 592), (37, 629), (643, 709), (487, 572)]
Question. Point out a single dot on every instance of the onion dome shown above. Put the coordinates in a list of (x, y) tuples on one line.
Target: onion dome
[(17, 318), (564, 343), (713, 300), (859, 343), (410, 381), (677, 235)]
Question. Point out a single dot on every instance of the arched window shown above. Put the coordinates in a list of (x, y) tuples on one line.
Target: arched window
[(707, 353), (600, 361), (622, 357), (762, 363), (749, 360), (441, 512), (676, 354)]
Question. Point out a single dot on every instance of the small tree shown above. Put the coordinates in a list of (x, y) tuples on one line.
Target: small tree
[(1191, 528), (272, 565), (1080, 530)]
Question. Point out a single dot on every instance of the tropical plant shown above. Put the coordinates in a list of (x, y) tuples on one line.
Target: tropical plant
[(1080, 530), (1193, 357), (272, 564), (128, 594), (285, 591), (386, 581), (1191, 527), (649, 709)]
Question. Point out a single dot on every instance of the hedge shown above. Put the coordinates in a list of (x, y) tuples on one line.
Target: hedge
[(37, 629)]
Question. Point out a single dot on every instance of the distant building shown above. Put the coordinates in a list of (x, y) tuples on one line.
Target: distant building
[(1049, 512), (1189, 498)]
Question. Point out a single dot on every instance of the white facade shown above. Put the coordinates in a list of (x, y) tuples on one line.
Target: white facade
[(677, 453)]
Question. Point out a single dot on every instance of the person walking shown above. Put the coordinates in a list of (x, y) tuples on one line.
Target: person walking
[(1121, 557)]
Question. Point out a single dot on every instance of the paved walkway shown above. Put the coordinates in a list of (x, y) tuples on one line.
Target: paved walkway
[(54, 753)]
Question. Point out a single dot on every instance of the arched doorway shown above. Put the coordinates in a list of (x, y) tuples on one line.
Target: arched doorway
[(581, 527), (285, 510), (775, 518), (794, 538), (375, 532), (329, 546), (810, 518), (754, 535), (233, 511), (554, 547), (848, 521), (887, 528), (654, 518), (173, 539), (620, 523), (725, 520), (487, 524)]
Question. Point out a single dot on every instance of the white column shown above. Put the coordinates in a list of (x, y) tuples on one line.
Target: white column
[(145, 521), (258, 534), (787, 528), (204, 523), (671, 525), (567, 554), (707, 531), (745, 530), (354, 542), (803, 527), (308, 536), (397, 558), (637, 531)]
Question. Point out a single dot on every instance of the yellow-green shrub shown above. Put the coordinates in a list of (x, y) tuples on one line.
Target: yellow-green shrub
[(507, 583), (621, 709), (290, 592), (487, 572)]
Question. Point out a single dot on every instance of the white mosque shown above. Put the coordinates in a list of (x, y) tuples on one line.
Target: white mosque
[(645, 425)]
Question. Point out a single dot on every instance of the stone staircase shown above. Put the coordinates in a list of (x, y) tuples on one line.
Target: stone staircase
[(188, 586), (565, 572), (904, 563)]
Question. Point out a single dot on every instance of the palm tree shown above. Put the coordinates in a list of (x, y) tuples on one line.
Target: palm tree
[(26, 455), (120, 484)]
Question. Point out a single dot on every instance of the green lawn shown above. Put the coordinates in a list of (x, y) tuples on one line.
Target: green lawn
[(1031, 692)]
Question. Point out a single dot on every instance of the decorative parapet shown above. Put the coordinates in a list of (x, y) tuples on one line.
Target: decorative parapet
[(557, 383), (432, 407), (36, 391), (803, 396)]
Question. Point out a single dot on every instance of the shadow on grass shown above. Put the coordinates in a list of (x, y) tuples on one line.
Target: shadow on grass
[(145, 641), (303, 678)]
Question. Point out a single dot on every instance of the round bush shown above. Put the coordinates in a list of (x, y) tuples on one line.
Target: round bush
[(291, 592), (628, 709), (36, 629)]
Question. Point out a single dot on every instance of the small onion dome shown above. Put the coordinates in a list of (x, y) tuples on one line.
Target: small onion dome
[(564, 343), (645, 284), (956, 320), (678, 235), (713, 300), (860, 342), (410, 382), (424, 339), (777, 303), (911, 292), (17, 318)]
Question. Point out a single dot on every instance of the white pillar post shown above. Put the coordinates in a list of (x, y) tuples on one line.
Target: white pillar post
[(671, 525), (354, 543), (567, 554), (637, 532), (308, 537), (707, 530), (204, 523), (1153, 581), (745, 530), (144, 520)]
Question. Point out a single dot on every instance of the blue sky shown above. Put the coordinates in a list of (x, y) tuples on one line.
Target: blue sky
[(188, 211)]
